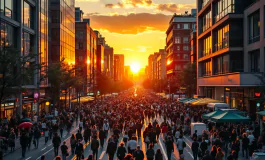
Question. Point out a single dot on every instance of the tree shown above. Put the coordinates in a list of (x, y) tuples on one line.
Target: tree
[(104, 84), (15, 71), (189, 79)]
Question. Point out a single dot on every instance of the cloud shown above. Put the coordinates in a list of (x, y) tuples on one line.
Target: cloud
[(87, 0), (128, 49), (174, 8), (130, 4), (133, 23)]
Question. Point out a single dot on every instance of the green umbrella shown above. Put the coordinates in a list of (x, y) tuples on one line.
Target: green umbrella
[(212, 114), (184, 99), (229, 117)]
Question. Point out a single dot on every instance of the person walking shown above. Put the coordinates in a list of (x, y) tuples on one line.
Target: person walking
[(64, 151), (180, 145), (245, 145), (46, 135), (111, 149), (37, 134), (195, 148), (79, 150), (132, 144), (121, 152), (101, 138), (73, 143), (169, 147), (95, 146), (24, 143), (220, 154), (56, 143), (150, 153), (159, 155), (87, 134), (138, 154)]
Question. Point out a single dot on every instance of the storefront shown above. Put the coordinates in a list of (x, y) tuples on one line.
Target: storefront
[(7, 110)]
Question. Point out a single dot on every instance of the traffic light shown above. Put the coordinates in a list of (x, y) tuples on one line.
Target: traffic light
[(35, 101)]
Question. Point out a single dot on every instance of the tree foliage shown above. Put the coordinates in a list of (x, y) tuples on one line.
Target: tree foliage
[(189, 79), (15, 71)]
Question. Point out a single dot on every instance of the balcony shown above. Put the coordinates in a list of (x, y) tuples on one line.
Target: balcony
[(229, 9), (231, 79), (254, 39)]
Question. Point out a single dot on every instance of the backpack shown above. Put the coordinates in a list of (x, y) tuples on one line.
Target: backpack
[(184, 144)]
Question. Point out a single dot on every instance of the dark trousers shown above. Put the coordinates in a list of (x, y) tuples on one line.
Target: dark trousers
[(95, 152), (56, 148), (195, 155), (24, 151), (46, 139), (36, 142), (169, 155), (245, 151), (111, 156), (180, 152), (101, 142)]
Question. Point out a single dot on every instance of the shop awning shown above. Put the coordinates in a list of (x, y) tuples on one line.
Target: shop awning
[(204, 101), (192, 100), (262, 113), (84, 99), (184, 99), (229, 117), (212, 114)]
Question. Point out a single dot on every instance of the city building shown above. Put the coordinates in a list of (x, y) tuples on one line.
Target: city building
[(254, 58), (193, 44), (150, 67), (63, 39), (100, 59), (85, 56), (127, 73), (118, 67), (161, 65), (79, 15), (24, 25), (223, 59), (178, 43), (108, 61)]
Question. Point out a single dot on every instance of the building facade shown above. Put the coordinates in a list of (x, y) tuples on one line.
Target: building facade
[(108, 61), (24, 26), (118, 67), (178, 43), (222, 55)]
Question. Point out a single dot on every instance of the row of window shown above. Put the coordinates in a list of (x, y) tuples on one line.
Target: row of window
[(185, 48), (185, 26), (178, 40)]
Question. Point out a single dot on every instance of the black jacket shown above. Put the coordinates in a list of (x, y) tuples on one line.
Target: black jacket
[(121, 152), (138, 155), (56, 141), (24, 141), (64, 149), (195, 146), (111, 149), (94, 144), (79, 149), (102, 134)]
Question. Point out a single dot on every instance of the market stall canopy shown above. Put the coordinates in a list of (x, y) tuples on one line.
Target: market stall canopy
[(192, 100), (229, 117), (212, 114), (184, 99), (84, 99), (204, 101), (262, 113)]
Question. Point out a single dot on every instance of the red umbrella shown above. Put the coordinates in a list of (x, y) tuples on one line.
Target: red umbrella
[(25, 125)]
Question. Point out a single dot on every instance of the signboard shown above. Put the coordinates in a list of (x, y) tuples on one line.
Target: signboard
[(257, 94), (227, 89), (36, 95)]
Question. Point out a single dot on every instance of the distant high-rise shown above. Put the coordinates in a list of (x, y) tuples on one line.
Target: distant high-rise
[(108, 61), (118, 67)]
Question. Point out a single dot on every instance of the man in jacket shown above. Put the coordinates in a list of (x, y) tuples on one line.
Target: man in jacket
[(138, 154), (24, 143), (180, 145), (87, 134), (121, 152), (95, 146), (101, 137), (79, 150), (169, 147), (56, 143), (37, 135), (195, 148), (111, 149), (64, 149)]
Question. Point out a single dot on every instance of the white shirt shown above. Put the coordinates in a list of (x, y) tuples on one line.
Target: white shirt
[(180, 144), (132, 144), (43, 125), (106, 127), (251, 138), (81, 124)]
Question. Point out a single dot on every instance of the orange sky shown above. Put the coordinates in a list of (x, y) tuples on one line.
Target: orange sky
[(135, 28)]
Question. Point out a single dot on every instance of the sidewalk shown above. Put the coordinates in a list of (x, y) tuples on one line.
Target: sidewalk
[(17, 146)]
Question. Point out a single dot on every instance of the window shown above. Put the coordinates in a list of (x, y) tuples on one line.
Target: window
[(224, 7), (186, 40), (185, 56), (7, 36), (255, 61), (178, 67), (186, 26), (185, 48), (254, 27), (206, 21), (177, 40), (80, 45), (178, 26), (7, 8), (206, 68), (222, 38), (178, 56), (26, 42), (178, 48), (80, 58), (26, 14)]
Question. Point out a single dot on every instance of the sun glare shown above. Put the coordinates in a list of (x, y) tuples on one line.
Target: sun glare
[(135, 67)]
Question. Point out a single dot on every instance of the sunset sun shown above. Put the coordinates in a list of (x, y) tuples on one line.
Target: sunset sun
[(135, 67)]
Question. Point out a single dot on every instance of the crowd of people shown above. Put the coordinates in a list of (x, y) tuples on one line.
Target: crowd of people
[(118, 123)]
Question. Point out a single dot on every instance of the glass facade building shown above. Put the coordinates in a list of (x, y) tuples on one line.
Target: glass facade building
[(63, 28)]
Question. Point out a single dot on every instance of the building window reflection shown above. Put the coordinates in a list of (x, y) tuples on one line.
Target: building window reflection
[(26, 41), (26, 14), (7, 8), (7, 35)]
